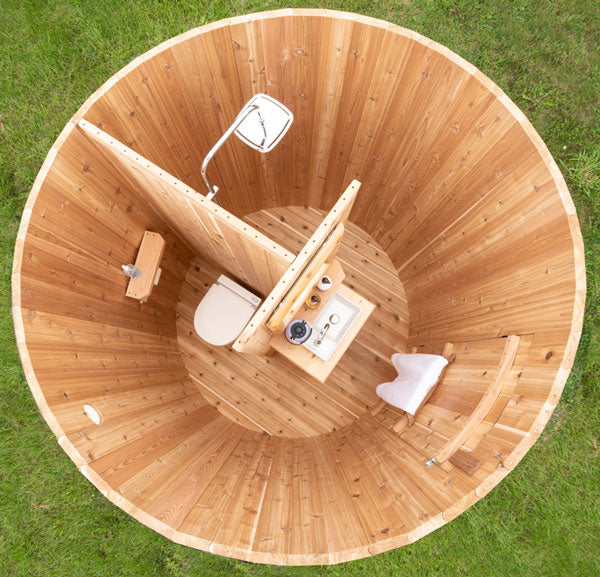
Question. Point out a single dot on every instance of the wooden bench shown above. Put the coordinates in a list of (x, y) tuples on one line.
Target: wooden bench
[(451, 452)]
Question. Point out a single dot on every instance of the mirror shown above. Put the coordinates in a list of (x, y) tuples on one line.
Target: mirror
[(261, 124), (264, 123)]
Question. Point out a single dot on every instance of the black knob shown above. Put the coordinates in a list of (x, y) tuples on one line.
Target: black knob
[(298, 331)]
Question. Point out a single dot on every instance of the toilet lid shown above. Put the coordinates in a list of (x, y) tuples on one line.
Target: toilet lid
[(222, 315)]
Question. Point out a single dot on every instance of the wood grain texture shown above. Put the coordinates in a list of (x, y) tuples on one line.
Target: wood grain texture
[(242, 251), (490, 396), (256, 336), (465, 461), (273, 394), (310, 276), (147, 261), (464, 232)]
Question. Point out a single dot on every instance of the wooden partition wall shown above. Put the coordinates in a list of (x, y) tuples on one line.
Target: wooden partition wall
[(256, 337), (459, 194), (212, 232)]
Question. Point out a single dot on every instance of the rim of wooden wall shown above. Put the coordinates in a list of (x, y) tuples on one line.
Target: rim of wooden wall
[(522, 447)]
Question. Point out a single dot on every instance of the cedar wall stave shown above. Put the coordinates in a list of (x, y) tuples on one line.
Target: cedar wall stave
[(433, 145)]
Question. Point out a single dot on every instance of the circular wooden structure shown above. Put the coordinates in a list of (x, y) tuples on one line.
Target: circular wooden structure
[(463, 232)]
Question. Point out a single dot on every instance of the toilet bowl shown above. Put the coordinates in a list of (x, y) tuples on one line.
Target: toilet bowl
[(224, 312)]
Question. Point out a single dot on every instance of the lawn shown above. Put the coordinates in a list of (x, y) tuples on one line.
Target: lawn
[(542, 520)]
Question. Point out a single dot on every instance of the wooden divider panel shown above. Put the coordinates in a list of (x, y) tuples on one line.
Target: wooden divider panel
[(310, 276), (213, 232), (255, 338)]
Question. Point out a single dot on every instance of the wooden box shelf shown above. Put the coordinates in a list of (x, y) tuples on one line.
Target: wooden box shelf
[(308, 361), (148, 260)]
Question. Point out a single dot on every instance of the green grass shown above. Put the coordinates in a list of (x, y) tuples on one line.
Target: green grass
[(542, 520)]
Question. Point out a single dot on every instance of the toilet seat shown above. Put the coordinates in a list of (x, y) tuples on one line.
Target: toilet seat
[(224, 312)]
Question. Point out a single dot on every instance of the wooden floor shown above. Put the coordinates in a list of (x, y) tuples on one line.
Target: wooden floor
[(270, 394)]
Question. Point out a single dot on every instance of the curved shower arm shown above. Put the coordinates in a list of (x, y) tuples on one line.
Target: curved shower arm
[(212, 190)]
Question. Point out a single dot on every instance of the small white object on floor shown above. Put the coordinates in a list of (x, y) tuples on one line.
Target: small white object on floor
[(417, 374), (92, 413)]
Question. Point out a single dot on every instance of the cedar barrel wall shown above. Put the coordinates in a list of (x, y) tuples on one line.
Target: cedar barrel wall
[(457, 188)]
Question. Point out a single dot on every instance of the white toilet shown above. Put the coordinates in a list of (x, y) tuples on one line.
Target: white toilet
[(224, 312)]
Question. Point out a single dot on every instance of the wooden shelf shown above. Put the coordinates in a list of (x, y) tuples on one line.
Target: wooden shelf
[(148, 259), (308, 361), (334, 271)]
